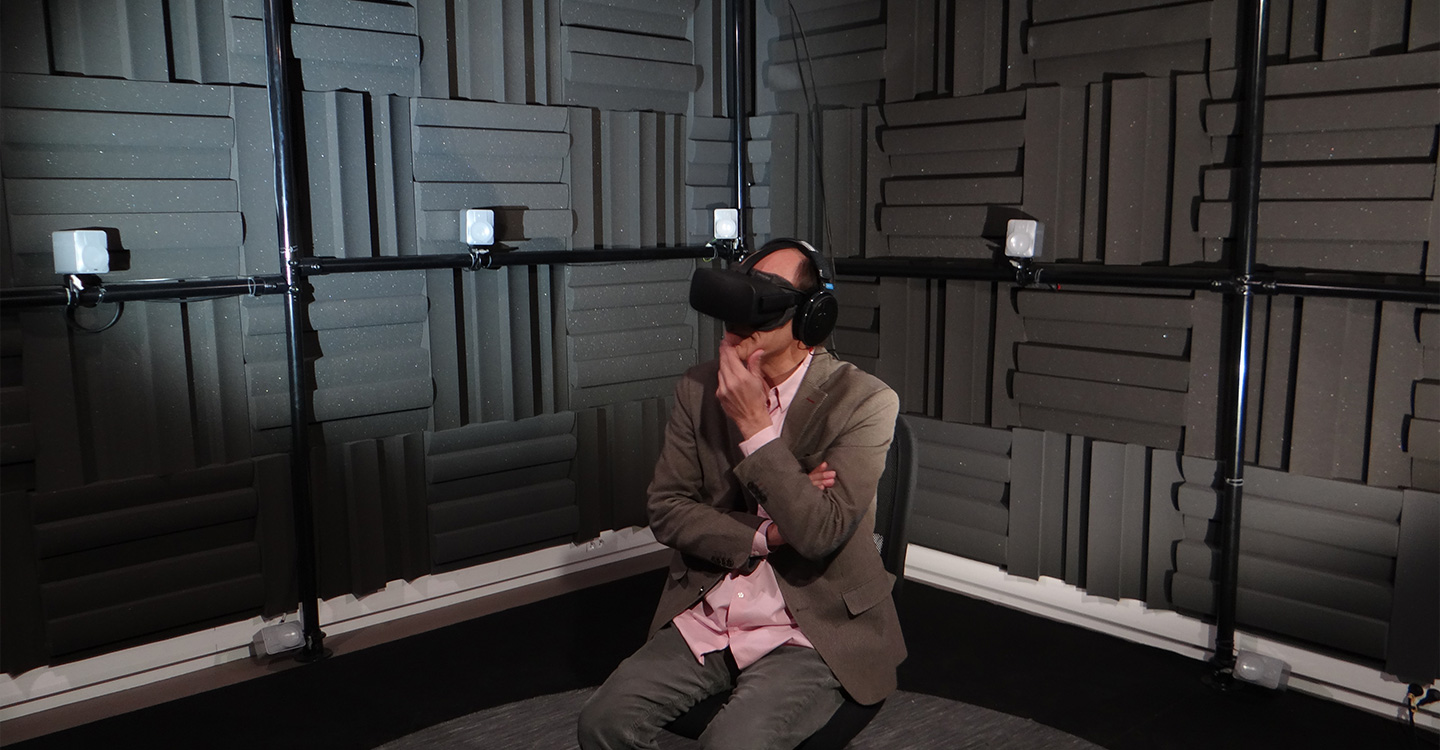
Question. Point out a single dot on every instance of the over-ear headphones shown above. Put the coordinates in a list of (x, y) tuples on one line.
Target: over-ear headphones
[(815, 315)]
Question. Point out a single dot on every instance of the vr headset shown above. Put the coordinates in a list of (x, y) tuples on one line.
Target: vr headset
[(748, 300)]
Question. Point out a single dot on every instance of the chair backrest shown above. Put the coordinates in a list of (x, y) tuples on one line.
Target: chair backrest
[(892, 502)]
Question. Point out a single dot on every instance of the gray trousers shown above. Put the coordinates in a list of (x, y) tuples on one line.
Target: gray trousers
[(776, 702)]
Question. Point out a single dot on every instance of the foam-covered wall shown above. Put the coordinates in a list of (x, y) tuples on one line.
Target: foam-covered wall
[(461, 417)]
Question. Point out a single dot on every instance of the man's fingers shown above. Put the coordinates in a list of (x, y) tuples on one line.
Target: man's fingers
[(753, 363)]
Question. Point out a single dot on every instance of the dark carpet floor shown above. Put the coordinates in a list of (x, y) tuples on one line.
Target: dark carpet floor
[(908, 720), (1115, 694)]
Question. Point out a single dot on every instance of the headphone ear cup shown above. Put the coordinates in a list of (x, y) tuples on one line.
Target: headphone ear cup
[(815, 318)]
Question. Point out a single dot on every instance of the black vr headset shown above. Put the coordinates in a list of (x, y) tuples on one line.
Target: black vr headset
[(748, 300)]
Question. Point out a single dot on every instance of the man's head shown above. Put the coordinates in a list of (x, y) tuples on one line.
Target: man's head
[(785, 284), (786, 265)]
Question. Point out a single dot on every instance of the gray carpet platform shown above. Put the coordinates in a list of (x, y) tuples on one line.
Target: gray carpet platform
[(908, 721)]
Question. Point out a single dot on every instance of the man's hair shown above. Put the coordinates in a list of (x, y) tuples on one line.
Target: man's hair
[(809, 280), (808, 275)]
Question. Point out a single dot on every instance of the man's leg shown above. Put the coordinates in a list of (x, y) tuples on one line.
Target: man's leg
[(778, 702), (647, 691)]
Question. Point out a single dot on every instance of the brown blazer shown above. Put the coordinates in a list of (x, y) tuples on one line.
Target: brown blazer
[(703, 497)]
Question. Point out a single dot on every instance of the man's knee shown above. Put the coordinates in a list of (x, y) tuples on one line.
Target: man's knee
[(602, 723)]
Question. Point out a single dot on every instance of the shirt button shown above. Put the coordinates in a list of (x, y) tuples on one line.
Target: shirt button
[(741, 594)]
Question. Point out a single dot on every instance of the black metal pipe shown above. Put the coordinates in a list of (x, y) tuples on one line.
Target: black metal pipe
[(1251, 93), (545, 257), (481, 260), (1396, 290), (139, 291), (1385, 287), (735, 17), (287, 211)]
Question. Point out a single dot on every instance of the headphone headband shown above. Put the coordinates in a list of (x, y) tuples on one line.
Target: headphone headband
[(821, 264), (815, 315)]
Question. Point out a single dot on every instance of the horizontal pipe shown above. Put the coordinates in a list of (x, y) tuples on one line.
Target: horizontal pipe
[(496, 259), (1387, 287), (545, 257), (322, 266), (138, 291), (1424, 292)]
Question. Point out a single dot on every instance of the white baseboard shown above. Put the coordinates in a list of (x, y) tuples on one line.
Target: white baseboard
[(54, 687), (1316, 674)]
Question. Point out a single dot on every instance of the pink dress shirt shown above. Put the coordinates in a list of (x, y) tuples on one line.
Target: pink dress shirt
[(747, 613)]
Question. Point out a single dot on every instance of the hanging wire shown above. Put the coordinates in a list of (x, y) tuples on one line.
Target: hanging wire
[(812, 108), (78, 327)]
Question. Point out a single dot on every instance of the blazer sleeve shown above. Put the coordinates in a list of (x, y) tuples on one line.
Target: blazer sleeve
[(814, 522), (683, 514)]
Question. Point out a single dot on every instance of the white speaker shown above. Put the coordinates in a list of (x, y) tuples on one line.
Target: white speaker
[(1023, 238), (479, 227), (80, 251)]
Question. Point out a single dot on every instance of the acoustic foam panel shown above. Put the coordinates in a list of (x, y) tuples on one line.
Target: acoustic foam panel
[(709, 174), (910, 342), (500, 488), (1332, 129), (149, 160), (835, 50), (626, 55), (509, 157), (370, 508), (778, 188), (484, 50), (960, 503), (628, 331), (615, 460), (124, 38), (1054, 155), (368, 365), (627, 178), (948, 164), (842, 170), (1106, 365), (17, 433), (1317, 555), (963, 383), (1413, 653), (856, 338), (1074, 43), (491, 345), (129, 562)]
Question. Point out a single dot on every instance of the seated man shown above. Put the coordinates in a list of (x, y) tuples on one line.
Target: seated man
[(765, 488)]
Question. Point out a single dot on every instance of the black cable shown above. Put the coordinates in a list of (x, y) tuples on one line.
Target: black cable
[(78, 328), (812, 106)]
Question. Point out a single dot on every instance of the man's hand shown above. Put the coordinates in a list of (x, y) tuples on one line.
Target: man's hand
[(823, 477), (742, 390), (773, 538)]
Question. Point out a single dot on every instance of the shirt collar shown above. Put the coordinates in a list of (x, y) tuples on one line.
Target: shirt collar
[(785, 392)]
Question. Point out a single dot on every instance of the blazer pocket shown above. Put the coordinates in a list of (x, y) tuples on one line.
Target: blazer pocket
[(861, 598)]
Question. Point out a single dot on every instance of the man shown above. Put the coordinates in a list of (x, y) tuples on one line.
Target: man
[(765, 488)]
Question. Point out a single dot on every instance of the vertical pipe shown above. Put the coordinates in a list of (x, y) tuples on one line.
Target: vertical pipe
[(1250, 89), (737, 100), (278, 86)]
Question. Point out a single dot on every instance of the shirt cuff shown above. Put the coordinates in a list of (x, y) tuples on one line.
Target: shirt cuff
[(759, 547), (759, 439)]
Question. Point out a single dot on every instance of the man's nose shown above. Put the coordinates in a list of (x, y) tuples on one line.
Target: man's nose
[(732, 338)]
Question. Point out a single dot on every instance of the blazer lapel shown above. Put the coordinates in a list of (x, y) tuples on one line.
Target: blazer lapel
[(808, 398)]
